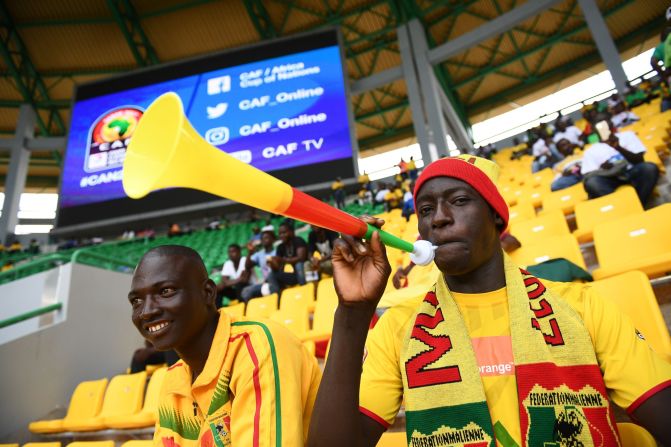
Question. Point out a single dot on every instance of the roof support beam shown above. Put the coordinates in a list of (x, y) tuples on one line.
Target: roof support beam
[(494, 28), (129, 22), (27, 79), (261, 19)]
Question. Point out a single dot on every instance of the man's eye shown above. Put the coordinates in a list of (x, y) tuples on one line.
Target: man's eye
[(135, 301), (425, 210), (460, 200), (166, 291)]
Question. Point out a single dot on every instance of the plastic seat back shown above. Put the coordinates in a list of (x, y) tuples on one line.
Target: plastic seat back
[(564, 199), (262, 307), (86, 400), (541, 228), (636, 242), (588, 214), (91, 444), (154, 391), (557, 247), (124, 394), (298, 296), (632, 435), (520, 212), (38, 444), (327, 301), (634, 295), (235, 311), (295, 318), (138, 443)]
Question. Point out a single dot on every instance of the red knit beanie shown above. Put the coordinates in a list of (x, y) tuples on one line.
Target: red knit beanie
[(465, 170)]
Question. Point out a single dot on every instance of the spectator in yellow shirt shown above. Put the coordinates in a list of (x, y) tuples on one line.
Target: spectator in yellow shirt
[(338, 188), (490, 355), (227, 388)]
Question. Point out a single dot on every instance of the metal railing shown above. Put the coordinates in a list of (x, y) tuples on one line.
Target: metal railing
[(30, 314)]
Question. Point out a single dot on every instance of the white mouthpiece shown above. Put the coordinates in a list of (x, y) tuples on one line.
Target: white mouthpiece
[(423, 252)]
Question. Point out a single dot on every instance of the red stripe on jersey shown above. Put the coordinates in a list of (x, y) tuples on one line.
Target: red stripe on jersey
[(374, 417), (647, 395), (257, 383)]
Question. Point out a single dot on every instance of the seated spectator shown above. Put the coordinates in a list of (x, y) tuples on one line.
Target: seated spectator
[(568, 170), (623, 117), (381, 193), (186, 228), (544, 151), (320, 240), (148, 355), (364, 181), (8, 265), (15, 247), (412, 169), (364, 197), (174, 230), (618, 161), (255, 240), (260, 259), (214, 224), (564, 131), (293, 251), (128, 234), (408, 204), (234, 276), (225, 390), (394, 198), (338, 188), (634, 96), (33, 247)]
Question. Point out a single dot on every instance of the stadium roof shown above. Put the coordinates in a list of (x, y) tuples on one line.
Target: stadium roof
[(50, 46)]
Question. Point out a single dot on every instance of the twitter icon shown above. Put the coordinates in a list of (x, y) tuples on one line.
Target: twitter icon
[(217, 111)]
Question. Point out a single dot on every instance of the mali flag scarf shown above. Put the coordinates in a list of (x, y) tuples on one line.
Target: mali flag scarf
[(562, 397)]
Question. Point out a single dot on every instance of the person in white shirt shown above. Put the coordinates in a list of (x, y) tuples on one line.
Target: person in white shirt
[(623, 117), (234, 277), (564, 131), (618, 161)]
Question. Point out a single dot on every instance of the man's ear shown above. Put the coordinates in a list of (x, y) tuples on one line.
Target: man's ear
[(210, 292)]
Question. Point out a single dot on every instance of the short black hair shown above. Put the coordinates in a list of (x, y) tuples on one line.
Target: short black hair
[(175, 250), (234, 246), (288, 223)]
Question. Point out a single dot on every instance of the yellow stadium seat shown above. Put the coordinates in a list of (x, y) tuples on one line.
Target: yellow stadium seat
[(261, 307), (297, 319), (138, 443), (541, 228), (534, 195), (91, 444), (392, 296), (393, 439), (39, 444), (588, 214), (542, 177), (564, 199), (557, 247), (300, 295), (236, 311), (148, 416), (322, 320), (12, 445), (652, 157), (521, 211), (85, 404), (635, 242), (123, 397), (632, 435), (635, 297)]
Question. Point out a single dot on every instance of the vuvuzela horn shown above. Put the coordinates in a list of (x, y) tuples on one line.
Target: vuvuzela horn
[(166, 152)]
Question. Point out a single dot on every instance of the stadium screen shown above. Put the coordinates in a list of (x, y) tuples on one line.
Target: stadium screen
[(282, 106)]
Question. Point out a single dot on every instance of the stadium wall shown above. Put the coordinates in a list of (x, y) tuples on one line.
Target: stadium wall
[(40, 371)]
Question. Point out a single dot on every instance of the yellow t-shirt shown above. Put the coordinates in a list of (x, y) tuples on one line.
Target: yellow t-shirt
[(630, 368), (337, 185), (258, 388)]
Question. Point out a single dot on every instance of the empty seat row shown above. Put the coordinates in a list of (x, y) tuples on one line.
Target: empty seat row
[(97, 405)]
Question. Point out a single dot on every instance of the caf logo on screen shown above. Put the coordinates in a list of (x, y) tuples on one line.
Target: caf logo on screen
[(109, 136), (217, 135), (221, 84), (217, 111)]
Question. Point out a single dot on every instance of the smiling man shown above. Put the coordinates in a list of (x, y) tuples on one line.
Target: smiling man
[(227, 388), (490, 356)]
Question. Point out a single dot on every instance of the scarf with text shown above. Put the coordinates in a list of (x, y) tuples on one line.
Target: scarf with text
[(561, 393)]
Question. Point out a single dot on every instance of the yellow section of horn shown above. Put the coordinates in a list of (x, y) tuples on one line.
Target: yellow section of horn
[(166, 152)]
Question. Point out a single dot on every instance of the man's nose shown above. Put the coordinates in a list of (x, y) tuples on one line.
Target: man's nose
[(149, 308)]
